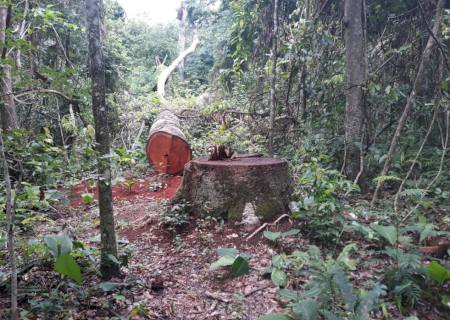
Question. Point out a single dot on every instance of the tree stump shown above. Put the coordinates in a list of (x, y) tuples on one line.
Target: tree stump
[(223, 189), (167, 149)]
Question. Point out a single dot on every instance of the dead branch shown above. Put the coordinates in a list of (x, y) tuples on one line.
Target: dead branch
[(162, 79), (264, 225)]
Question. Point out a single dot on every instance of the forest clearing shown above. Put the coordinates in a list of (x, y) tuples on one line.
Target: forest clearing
[(224, 159)]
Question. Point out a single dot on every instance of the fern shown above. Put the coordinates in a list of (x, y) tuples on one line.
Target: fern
[(386, 178)]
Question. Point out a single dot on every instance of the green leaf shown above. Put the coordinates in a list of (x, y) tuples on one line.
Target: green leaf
[(445, 299), (278, 277), (427, 231), (289, 233), (58, 245), (344, 257), (108, 286), (272, 236), (438, 273), (87, 197), (306, 309), (240, 267), (227, 252), (113, 259), (222, 262), (66, 265), (274, 316), (345, 287), (289, 294), (389, 233)]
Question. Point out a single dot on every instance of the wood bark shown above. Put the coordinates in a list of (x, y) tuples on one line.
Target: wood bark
[(273, 78), (8, 108), (108, 267), (355, 56), (424, 61), (10, 217), (164, 76), (224, 189)]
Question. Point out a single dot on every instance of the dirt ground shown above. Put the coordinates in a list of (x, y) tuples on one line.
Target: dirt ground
[(167, 276)]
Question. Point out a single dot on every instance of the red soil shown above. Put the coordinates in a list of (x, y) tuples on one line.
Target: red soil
[(140, 189)]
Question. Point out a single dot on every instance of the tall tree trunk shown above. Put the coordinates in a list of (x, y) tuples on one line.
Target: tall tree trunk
[(273, 78), (8, 108), (356, 81), (424, 61), (108, 267), (182, 36), (10, 225)]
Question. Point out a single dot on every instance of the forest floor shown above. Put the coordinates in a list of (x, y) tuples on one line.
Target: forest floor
[(167, 276), (172, 270)]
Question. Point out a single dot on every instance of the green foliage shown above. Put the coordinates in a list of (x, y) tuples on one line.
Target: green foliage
[(274, 236), (231, 257), (438, 273), (317, 189), (87, 197), (61, 248), (388, 233), (65, 264), (328, 288), (406, 279)]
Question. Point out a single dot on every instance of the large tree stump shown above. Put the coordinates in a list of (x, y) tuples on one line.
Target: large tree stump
[(167, 149), (223, 189)]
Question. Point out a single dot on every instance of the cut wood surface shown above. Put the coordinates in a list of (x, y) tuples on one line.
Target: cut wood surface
[(167, 149), (223, 188)]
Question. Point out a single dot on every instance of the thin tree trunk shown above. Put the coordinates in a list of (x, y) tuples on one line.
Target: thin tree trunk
[(10, 222), (273, 78), (426, 55), (356, 81), (108, 266), (8, 109), (440, 75), (22, 33)]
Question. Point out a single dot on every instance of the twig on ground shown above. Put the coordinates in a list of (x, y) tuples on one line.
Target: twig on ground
[(266, 225), (216, 296), (256, 290)]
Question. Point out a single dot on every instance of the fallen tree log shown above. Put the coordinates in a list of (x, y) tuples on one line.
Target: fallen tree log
[(225, 189), (167, 149)]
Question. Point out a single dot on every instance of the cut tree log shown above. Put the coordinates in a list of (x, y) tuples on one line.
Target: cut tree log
[(223, 189), (167, 149)]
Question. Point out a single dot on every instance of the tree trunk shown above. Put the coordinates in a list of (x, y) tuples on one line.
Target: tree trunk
[(162, 79), (10, 223), (8, 109), (108, 267), (167, 149), (356, 80), (426, 55), (273, 78)]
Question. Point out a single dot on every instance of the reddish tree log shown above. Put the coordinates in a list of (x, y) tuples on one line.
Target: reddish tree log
[(223, 189), (167, 149)]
